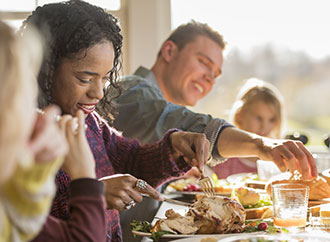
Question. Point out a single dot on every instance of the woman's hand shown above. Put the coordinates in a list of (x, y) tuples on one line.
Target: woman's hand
[(121, 191), (47, 141), (79, 162), (193, 147)]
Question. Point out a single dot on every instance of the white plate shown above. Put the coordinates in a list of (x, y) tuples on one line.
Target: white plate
[(180, 210), (314, 236), (240, 177), (190, 237), (306, 237)]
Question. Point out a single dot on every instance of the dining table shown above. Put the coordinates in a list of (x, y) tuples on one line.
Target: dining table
[(181, 209)]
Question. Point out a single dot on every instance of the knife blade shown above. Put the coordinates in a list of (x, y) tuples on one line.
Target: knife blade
[(177, 202)]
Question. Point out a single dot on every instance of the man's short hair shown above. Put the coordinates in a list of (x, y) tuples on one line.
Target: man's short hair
[(187, 33)]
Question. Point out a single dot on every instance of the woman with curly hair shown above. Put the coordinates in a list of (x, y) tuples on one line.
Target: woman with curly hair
[(82, 62)]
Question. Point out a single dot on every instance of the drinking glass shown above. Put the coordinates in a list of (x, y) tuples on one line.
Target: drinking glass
[(267, 169), (322, 160), (290, 203)]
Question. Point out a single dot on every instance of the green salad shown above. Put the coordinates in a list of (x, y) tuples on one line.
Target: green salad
[(261, 203), (144, 226)]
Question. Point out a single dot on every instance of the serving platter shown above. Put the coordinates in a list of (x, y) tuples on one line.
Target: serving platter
[(312, 203), (180, 209), (190, 236)]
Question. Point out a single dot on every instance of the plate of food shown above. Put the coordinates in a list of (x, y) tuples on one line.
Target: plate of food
[(189, 186), (242, 177), (220, 216), (179, 236), (257, 205)]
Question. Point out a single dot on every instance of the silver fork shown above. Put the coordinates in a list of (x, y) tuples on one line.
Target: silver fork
[(206, 184)]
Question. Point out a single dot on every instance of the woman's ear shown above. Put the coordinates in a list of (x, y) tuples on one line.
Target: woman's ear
[(169, 50)]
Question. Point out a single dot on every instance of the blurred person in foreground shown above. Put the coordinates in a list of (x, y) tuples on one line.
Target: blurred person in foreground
[(258, 109), (87, 203), (83, 45), (32, 146), (185, 70)]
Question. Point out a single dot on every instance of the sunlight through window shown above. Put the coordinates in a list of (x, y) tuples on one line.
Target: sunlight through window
[(283, 42)]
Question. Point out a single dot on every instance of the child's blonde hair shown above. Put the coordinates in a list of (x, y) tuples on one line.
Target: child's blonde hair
[(20, 58), (258, 90)]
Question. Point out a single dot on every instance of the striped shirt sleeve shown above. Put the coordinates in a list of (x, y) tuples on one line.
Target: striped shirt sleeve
[(26, 199)]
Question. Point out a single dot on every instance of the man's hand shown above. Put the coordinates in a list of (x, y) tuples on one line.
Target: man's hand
[(288, 155)]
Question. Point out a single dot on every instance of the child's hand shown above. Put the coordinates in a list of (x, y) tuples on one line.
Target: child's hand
[(47, 141), (79, 162)]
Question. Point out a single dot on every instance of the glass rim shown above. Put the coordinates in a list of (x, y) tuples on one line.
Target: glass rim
[(296, 186)]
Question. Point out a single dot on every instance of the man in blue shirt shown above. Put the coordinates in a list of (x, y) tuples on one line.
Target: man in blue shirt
[(187, 65), (153, 101)]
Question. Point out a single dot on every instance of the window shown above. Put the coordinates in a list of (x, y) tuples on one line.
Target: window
[(283, 42), (15, 11)]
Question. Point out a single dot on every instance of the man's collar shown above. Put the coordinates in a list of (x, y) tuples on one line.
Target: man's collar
[(147, 74)]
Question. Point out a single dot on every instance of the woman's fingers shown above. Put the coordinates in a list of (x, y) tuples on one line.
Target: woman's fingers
[(126, 188), (116, 203), (152, 192)]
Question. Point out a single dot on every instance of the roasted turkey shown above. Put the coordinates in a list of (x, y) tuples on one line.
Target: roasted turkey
[(206, 216)]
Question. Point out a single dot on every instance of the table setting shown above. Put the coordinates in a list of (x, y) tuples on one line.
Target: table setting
[(250, 208)]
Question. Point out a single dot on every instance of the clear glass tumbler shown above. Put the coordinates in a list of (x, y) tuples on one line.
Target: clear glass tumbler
[(290, 202)]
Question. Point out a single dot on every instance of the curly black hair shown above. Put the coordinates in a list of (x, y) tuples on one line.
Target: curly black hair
[(68, 28)]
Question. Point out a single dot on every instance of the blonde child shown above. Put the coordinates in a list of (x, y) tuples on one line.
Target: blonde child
[(257, 109)]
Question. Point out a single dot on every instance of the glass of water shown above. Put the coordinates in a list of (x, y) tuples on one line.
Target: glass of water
[(290, 202)]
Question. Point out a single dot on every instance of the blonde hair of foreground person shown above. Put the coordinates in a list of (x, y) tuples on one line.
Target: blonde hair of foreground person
[(257, 90), (20, 59), (26, 187)]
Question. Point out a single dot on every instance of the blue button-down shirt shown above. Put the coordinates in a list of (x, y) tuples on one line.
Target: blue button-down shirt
[(145, 114)]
